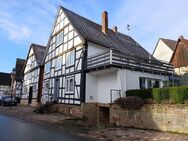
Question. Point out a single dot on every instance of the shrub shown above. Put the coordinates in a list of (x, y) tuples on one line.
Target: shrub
[(160, 94), (130, 102), (179, 94), (144, 93)]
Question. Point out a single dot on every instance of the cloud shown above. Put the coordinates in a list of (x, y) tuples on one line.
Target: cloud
[(149, 20), (27, 22), (25, 31), (15, 31)]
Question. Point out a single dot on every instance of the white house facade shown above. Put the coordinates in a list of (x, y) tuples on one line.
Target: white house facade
[(89, 63), (63, 63), (33, 75), (164, 49)]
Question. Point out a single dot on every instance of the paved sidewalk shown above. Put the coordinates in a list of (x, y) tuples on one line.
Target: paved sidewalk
[(57, 121), (129, 134)]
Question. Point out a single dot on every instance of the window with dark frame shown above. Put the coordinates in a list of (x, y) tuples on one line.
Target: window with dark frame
[(146, 83), (69, 87)]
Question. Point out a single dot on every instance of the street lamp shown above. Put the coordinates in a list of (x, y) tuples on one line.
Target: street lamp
[(12, 83)]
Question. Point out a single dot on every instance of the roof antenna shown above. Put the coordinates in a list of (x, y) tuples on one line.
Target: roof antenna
[(128, 28)]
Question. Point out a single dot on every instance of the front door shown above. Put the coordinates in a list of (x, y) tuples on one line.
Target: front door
[(30, 95), (56, 89)]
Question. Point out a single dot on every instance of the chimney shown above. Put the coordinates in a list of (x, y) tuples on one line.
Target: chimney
[(104, 22), (115, 28), (181, 37)]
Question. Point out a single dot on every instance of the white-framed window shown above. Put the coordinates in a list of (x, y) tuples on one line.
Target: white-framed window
[(58, 63), (47, 67), (69, 85), (70, 58), (36, 73), (46, 86), (34, 87), (53, 63), (59, 39), (25, 90)]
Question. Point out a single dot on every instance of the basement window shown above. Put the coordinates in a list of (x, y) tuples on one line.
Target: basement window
[(69, 86)]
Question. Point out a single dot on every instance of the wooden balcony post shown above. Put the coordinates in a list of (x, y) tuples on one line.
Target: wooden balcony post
[(110, 56)]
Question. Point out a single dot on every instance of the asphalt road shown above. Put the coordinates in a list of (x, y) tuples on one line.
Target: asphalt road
[(12, 129)]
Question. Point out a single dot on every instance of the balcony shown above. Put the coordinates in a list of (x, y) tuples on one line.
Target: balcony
[(116, 59)]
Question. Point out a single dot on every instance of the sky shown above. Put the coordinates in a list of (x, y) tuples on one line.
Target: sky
[(24, 22)]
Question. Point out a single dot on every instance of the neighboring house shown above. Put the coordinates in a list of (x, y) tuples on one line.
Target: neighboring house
[(180, 59), (5, 82), (17, 83), (164, 49), (33, 75), (90, 63)]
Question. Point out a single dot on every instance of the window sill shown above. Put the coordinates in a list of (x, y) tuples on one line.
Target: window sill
[(69, 93), (68, 66)]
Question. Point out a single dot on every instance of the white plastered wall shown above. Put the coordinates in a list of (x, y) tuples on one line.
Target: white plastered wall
[(98, 84), (95, 49), (163, 52)]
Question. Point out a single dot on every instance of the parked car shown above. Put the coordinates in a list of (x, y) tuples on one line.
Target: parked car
[(9, 101), (2, 95)]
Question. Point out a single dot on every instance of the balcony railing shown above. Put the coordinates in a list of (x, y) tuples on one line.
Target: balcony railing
[(112, 58)]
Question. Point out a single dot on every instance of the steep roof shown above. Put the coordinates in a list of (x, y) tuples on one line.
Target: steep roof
[(180, 54), (39, 52), (5, 79), (91, 31), (170, 43), (19, 67)]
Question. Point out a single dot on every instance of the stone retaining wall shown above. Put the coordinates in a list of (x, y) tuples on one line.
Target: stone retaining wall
[(86, 111), (152, 116), (25, 102)]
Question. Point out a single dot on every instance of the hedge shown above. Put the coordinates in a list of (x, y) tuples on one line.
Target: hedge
[(175, 94), (130, 102), (144, 93)]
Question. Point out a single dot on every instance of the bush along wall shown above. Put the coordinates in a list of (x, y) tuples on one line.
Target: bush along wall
[(174, 94)]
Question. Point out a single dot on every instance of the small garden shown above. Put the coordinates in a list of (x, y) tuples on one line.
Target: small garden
[(168, 95)]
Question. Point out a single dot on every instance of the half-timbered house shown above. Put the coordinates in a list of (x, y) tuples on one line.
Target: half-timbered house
[(5, 83), (33, 75), (90, 63), (17, 82), (180, 60)]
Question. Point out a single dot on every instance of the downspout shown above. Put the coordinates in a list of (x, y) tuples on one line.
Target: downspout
[(40, 84), (83, 73)]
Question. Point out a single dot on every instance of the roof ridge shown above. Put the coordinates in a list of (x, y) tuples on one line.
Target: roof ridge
[(92, 31), (94, 22), (39, 51), (167, 39), (37, 45)]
